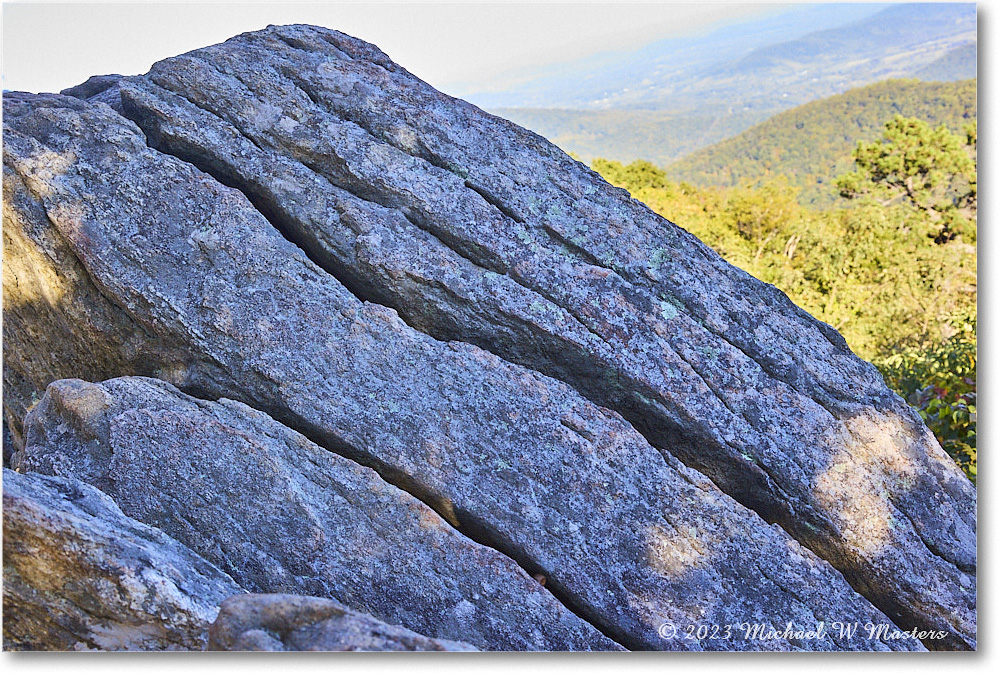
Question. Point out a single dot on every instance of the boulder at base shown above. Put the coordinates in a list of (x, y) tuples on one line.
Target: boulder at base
[(78, 574)]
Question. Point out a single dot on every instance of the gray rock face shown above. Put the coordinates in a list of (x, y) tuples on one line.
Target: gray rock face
[(80, 574), (627, 537), (279, 623), (282, 515), (476, 230), (550, 288), (57, 324), (93, 87), (8, 444)]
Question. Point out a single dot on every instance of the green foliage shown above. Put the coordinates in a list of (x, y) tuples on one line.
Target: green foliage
[(931, 169), (638, 174), (759, 214), (866, 269), (813, 143), (939, 380)]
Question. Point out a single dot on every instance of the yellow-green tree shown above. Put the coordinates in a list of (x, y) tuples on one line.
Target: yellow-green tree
[(931, 169)]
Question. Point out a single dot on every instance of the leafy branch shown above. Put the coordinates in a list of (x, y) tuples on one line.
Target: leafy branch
[(931, 169)]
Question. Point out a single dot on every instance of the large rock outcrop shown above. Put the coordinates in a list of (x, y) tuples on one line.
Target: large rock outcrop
[(295, 623), (448, 293), (80, 574), (626, 536)]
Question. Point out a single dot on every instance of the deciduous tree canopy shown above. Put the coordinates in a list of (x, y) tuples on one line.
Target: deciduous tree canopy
[(931, 169)]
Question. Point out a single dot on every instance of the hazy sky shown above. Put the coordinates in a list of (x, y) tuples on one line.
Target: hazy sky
[(51, 46)]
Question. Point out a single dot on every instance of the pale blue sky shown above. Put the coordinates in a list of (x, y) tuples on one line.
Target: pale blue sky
[(51, 46)]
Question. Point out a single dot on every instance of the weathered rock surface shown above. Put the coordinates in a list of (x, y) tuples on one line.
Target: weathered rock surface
[(279, 623), (627, 537), (8, 443), (57, 324), (476, 230), (280, 514), (94, 87), (80, 574)]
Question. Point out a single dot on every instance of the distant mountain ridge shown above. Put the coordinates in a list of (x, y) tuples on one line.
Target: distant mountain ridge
[(771, 63), (677, 96), (896, 42), (812, 144), (958, 64), (661, 137), (592, 82)]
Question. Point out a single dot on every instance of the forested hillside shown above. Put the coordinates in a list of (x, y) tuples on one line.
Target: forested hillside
[(658, 136), (892, 268), (958, 64), (812, 144)]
